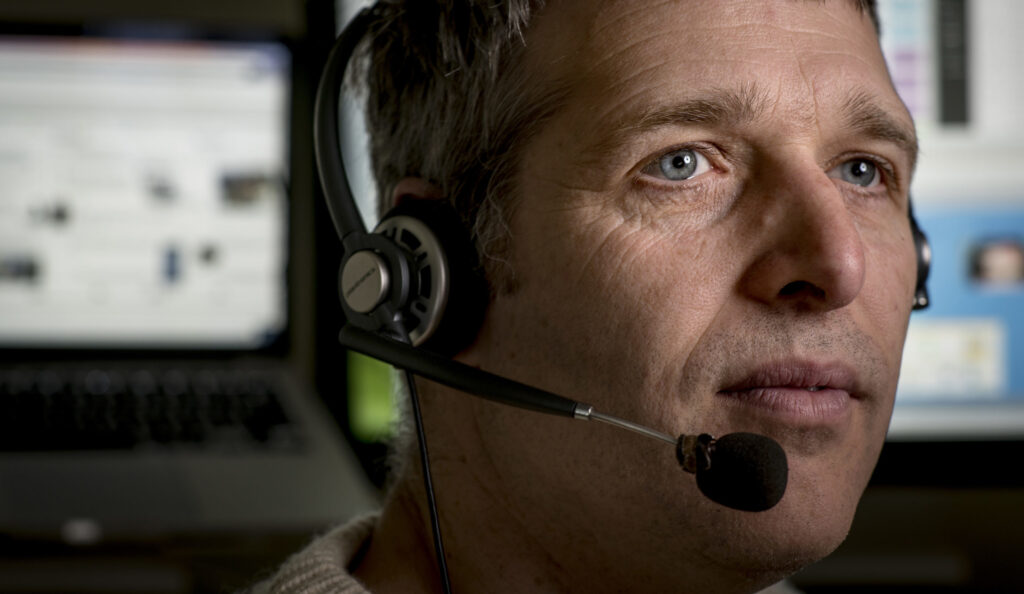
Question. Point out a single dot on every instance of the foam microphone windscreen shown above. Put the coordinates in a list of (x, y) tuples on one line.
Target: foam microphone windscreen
[(748, 472)]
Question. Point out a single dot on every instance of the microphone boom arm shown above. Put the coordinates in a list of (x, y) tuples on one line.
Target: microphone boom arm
[(479, 382), (457, 375), (590, 413)]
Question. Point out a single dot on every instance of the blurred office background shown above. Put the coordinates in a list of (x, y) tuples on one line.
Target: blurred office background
[(176, 415), (172, 402)]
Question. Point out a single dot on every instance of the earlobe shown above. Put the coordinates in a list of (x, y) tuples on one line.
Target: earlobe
[(415, 188)]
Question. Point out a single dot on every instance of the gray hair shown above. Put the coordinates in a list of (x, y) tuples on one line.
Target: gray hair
[(448, 102)]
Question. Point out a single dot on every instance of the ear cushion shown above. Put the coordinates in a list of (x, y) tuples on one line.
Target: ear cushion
[(448, 296)]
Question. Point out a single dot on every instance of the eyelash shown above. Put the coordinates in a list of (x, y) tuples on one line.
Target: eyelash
[(709, 152)]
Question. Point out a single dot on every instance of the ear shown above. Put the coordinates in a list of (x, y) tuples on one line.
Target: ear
[(415, 188)]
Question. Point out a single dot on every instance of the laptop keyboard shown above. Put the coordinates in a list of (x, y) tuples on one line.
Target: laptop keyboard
[(102, 409)]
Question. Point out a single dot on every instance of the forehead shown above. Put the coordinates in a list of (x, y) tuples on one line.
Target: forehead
[(616, 59)]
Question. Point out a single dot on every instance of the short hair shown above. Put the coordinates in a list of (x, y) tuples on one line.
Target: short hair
[(448, 101)]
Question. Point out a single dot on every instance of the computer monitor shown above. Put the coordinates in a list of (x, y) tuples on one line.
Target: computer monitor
[(956, 65), (143, 193)]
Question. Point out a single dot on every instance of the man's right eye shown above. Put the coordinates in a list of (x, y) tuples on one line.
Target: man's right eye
[(678, 165)]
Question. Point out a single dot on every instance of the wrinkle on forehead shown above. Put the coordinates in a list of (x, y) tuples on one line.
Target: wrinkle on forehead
[(611, 34), (617, 8), (613, 56)]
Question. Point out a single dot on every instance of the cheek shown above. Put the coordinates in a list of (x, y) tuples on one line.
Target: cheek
[(596, 291), (629, 265), (889, 290)]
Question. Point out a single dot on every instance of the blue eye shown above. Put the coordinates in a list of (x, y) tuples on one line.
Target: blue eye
[(678, 165), (859, 172)]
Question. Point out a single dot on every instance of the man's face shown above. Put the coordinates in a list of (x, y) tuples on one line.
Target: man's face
[(711, 236)]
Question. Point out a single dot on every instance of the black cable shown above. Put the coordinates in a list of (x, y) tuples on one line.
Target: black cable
[(428, 483)]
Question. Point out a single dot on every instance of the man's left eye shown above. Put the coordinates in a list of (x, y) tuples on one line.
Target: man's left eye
[(859, 172)]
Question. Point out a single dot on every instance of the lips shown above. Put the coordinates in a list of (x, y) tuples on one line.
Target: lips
[(801, 392)]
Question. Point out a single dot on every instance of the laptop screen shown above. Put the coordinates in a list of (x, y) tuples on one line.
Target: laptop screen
[(142, 193)]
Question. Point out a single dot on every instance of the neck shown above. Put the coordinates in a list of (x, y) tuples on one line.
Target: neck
[(400, 557)]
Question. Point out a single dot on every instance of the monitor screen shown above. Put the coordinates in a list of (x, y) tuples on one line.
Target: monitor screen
[(956, 64), (142, 192)]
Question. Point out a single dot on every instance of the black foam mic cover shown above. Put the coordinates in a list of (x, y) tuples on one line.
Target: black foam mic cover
[(747, 472)]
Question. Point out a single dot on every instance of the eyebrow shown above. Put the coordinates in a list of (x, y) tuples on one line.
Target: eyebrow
[(717, 107), (864, 115)]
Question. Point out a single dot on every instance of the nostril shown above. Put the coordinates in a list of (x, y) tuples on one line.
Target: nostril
[(797, 288)]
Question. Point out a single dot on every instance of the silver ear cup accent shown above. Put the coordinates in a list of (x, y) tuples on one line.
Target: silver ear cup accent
[(364, 281), (429, 271)]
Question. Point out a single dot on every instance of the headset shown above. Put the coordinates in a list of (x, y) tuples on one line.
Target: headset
[(923, 250), (416, 274), (413, 297)]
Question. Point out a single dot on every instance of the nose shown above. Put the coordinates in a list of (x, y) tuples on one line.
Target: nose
[(809, 254)]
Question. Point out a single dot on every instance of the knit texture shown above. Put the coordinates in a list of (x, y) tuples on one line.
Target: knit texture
[(322, 567)]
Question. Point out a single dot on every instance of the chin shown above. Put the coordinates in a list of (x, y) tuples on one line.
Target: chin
[(808, 524), (784, 540), (772, 549)]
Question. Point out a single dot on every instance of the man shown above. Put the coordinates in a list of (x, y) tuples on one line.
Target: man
[(693, 215)]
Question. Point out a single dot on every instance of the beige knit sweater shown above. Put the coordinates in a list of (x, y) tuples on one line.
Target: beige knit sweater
[(322, 567)]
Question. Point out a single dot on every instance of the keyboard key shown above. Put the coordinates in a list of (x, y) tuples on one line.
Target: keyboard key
[(99, 409)]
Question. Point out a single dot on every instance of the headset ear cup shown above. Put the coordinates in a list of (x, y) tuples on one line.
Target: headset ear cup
[(923, 250), (447, 306)]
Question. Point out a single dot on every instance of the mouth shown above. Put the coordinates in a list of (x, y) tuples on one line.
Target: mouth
[(797, 392)]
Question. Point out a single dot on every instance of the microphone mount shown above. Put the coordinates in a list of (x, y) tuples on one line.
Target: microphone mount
[(692, 451)]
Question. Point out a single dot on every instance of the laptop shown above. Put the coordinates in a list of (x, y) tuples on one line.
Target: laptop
[(146, 389)]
